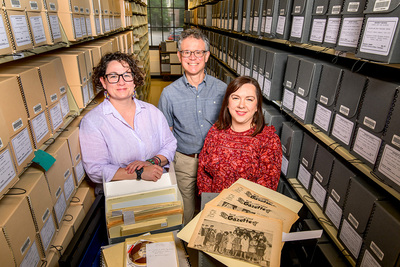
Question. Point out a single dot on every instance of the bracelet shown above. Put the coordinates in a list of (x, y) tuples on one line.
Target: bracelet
[(151, 161), (159, 160)]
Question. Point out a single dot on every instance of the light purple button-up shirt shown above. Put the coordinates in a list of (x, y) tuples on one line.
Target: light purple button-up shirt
[(109, 143)]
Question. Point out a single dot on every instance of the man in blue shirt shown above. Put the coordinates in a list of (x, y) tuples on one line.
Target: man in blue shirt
[(191, 105)]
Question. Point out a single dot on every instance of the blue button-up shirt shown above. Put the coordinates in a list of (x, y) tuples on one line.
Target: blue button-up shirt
[(192, 112)]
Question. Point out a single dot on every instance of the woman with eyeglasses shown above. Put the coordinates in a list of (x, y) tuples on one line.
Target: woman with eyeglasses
[(239, 144), (123, 137)]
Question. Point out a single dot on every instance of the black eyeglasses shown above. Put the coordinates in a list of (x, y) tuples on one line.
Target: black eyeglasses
[(114, 78), (188, 53)]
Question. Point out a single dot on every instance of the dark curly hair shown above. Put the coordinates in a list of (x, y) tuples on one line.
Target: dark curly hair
[(100, 70), (225, 119)]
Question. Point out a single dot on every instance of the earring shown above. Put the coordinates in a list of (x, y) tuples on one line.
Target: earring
[(106, 95), (134, 94)]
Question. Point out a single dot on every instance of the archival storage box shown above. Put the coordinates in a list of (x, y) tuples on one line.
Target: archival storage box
[(291, 139), (301, 20), (328, 90), (380, 36), (337, 192), (133, 207), (284, 19), (318, 22), (289, 82), (333, 24), (347, 108), (274, 71)]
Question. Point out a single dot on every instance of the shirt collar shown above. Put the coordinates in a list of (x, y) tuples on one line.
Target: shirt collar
[(108, 108), (185, 81)]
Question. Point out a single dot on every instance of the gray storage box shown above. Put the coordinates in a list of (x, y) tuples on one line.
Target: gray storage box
[(246, 16), (322, 171), (380, 38), (289, 82), (271, 18), (256, 59), (333, 24), (284, 19), (318, 21), (291, 139), (248, 59), (301, 20), (350, 29), (275, 118), (306, 89), (387, 166), (274, 72), (238, 16), (376, 110), (328, 90), (347, 108), (381, 246), (337, 192), (257, 17), (358, 209), (308, 152), (261, 66)]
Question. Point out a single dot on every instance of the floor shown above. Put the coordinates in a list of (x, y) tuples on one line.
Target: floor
[(157, 85)]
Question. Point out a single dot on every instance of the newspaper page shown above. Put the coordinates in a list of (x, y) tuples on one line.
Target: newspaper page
[(238, 235), (247, 203)]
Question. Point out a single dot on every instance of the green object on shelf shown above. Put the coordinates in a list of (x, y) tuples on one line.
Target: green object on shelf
[(44, 159)]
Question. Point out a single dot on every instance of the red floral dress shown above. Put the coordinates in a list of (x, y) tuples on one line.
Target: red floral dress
[(228, 155)]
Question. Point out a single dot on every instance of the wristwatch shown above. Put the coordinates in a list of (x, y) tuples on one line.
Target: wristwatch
[(139, 174)]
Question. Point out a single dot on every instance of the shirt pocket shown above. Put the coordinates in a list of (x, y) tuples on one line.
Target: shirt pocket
[(212, 108)]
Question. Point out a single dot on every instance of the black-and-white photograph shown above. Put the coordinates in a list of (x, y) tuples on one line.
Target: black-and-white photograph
[(235, 242)]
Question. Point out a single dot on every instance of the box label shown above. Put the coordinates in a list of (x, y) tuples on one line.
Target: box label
[(368, 260), (336, 10), (85, 94), (297, 27), (333, 212), (396, 140), (260, 80), (77, 27), (318, 30), (319, 9), (62, 90), (22, 146), (47, 233), (304, 176), (88, 27), (37, 108), (304, 161), (7, 171), (319, 176), (69, 187), (378, 35), (79, 172), (56, 116), (322, 117), (76, 9), (66, 174), (335, 195), (83, 26), (332, 30), (32, 257), (300, 107), (376, 250), (390, 164), (351, 239), (15, 4), (353, 220), (288, 99), (342, 129), (367, 145), (107, 24), (3, 35), (285, 164), (64, 106), (381, 5), (55, 27), (60, 207), (344, 110), (281, 25), (45, 215), (17, 124), (350, 33), (34, 5), (52, 6), (268, 25), (40, 127), (353, 6), (318, 193), (20, 29), (25, 245), (370, 123)]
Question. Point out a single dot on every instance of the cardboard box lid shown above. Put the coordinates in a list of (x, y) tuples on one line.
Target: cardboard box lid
[(377, 104), (308, 151), (351, 90), (292, 68), (329, 84), (351, 7), (88, 58), (6, 255), (361, 198), (74, 66), (17, 224), (382, 233), (333, 7), (320, 7), (323, 163), (37, 194), (22, 38), (291, 137), (308, 77), (339, 182), (15, 5), (31, 86), (12, 104), (71, 135)]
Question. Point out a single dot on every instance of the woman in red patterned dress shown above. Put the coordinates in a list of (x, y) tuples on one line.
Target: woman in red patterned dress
[(239, 144)]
